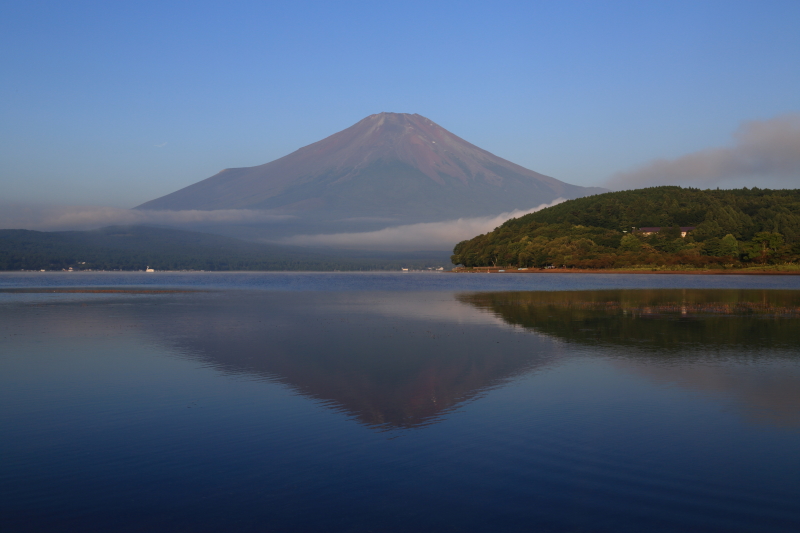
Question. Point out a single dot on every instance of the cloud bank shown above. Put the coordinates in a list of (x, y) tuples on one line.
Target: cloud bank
[(424, 236), (766, 153), (49, 218)]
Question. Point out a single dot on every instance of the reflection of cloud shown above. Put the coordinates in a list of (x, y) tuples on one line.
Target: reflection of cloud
[(78, 218), (423, 236), (764, 148), (433, 307), (767, 395)]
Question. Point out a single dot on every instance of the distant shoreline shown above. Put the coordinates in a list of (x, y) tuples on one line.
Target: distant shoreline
[(66, 290), (621, 271)]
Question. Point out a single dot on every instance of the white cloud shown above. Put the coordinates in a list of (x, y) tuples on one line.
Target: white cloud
[(424, 236), (15, 216), (766, 153)]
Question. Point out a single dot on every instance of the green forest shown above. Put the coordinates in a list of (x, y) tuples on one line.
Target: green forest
[(139, 247), (733, 229)]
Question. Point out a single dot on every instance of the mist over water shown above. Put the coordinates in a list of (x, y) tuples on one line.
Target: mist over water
[(350, 402)]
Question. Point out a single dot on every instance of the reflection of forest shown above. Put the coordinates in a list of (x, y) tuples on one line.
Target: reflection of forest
[(393, 372), (658, 319), (738, 344)]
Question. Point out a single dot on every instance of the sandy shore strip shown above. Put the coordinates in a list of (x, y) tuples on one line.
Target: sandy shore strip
[(615, 271)]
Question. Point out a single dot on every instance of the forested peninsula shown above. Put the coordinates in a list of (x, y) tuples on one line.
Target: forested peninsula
[(670, 227)]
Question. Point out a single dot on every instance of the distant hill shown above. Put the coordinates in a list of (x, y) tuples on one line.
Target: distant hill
[(734, 227), (137, 247), (387, 169)]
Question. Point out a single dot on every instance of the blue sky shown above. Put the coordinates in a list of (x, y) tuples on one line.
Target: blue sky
[(116, 103)]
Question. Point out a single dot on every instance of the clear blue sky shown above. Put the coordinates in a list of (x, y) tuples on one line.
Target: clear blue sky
[(115, 103)]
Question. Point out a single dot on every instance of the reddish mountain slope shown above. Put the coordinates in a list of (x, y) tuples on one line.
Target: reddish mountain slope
[(391, 165)]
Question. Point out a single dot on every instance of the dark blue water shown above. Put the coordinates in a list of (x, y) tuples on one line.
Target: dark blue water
[(400, 402), (385, 281)]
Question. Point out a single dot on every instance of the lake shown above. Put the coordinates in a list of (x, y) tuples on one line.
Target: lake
[(399, 402)]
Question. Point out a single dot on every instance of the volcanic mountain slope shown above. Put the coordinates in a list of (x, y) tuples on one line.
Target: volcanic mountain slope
[(391, 167)]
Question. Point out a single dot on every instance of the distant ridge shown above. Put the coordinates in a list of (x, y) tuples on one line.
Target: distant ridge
[(139, 247), (387, 168)]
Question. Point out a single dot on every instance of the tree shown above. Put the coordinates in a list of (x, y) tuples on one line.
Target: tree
[(630, 243), (728, 246), (763, 245)]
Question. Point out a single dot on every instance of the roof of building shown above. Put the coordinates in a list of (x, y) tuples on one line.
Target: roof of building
[(654, 230)]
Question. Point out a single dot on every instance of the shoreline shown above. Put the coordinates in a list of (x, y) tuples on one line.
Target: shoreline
[(484, 270), (621, 271), (80, 290)]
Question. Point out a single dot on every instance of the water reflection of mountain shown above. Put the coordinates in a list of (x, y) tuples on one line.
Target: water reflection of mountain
[(662, 320), (402, 360), (391, 371)]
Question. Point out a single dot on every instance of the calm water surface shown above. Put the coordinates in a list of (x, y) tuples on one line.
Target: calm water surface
[(399, 402)]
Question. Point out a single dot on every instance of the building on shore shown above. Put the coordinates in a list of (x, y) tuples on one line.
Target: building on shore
[(649, 231)]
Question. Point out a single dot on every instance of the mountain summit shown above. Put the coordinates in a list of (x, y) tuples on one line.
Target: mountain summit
[(389, 166)]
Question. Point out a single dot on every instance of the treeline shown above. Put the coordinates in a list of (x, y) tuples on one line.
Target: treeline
[(139, 247), (735, 227)]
